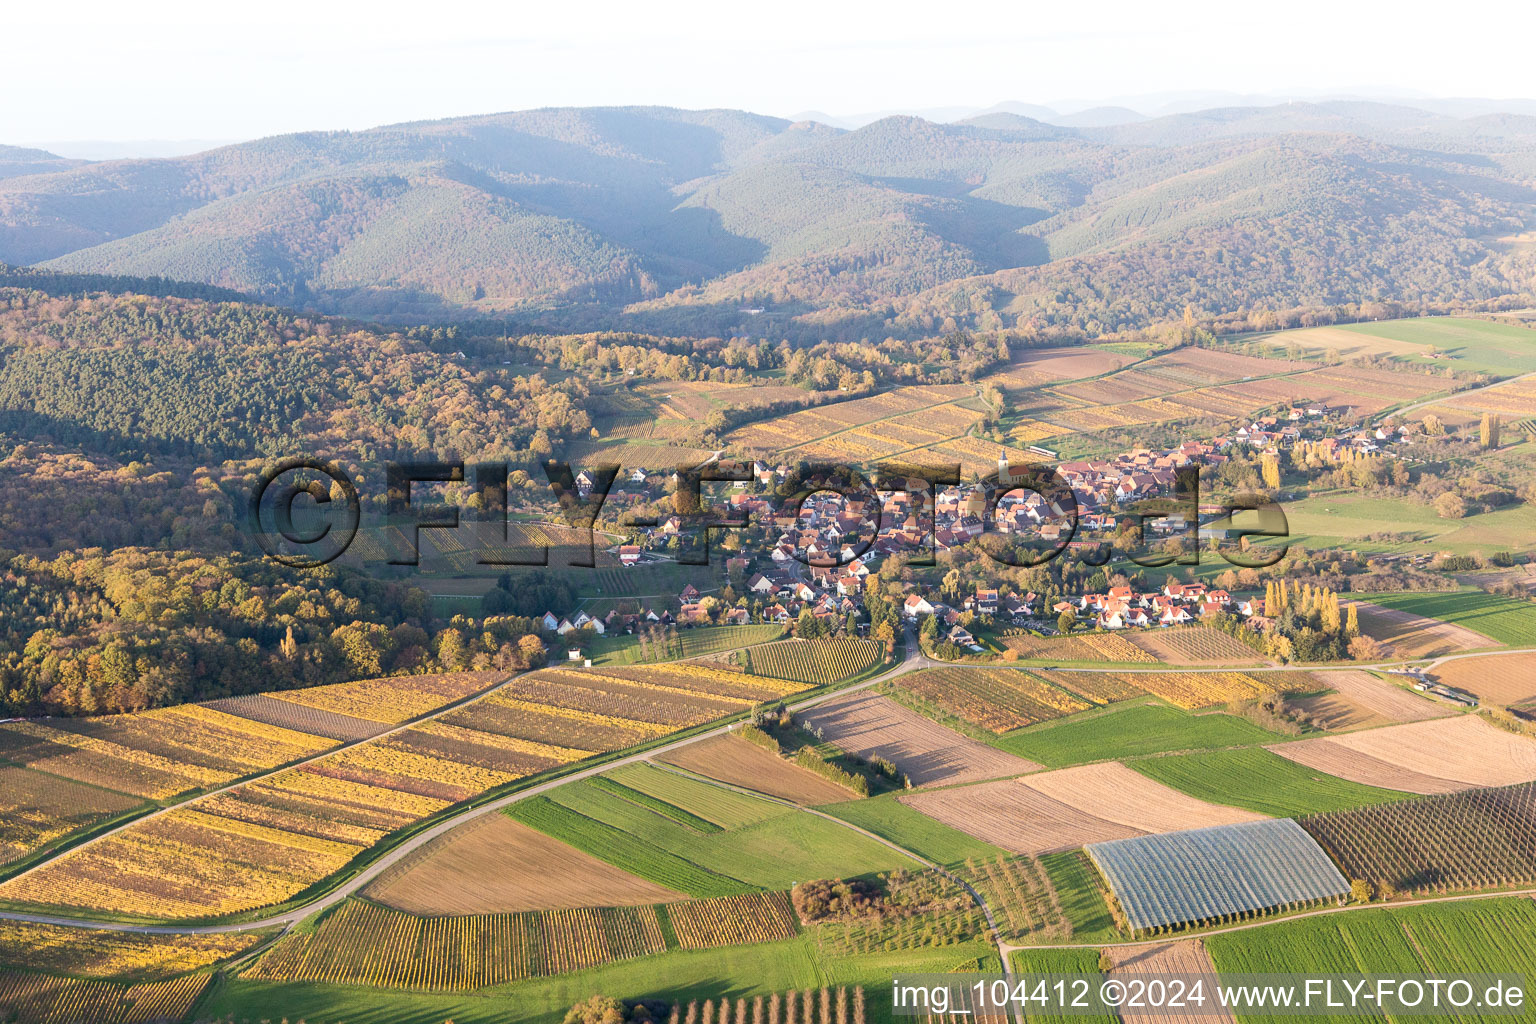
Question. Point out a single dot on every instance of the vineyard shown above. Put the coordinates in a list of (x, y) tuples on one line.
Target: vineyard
[(685, 643), (264, 842), (733, 920), (38, 999), (1194, 644), (1477, 839), (391, 700), (995, 699), (362, 943), (1187, 690), (89, 953), (366, 944), (816, 662), (1083, 647), (37, 808), (910, 910), (1220, 874)]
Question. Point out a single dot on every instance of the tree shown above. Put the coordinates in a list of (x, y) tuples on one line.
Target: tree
[(1361, 891), (531, 648), (1269, 468), (1066, 622), (1352, 622), (806, 626), (596, 1010), (1489, 429), (1364, 648), (1451, 505)]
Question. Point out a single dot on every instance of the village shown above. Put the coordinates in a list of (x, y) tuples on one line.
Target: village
[(818, 561)]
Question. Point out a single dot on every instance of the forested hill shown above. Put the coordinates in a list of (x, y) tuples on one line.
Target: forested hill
[(677, 221)]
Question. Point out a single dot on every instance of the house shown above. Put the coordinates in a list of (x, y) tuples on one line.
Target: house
[(549, 622), (736, 617), (692, 613), (689, 593), (760, 584), (629, 554), (565, 627), (585, 481), (1173, 616), (637, 475), (986, 602), (775, 613), (915, 605)]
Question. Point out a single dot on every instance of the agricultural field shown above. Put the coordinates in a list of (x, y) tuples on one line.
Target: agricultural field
[(496, 865), (262, 843), (771, 846), (1130, 731), (1260, 781), (394, 699), (1464, 750), (1387, 699), (686, 643), (1334, 712), (886, 816), (1076, 962), (40, 999), (1195, 645), (801, 430), (1187, 690), (733, 920), (731, 759), (1353, 520), (1505, 619), (360, 943), (1407, 635), (1086, 647), (286, 714), (1463, 343), (1023, 898), (1112, 791), (815, 662), (1225, 873), (1477, 839), (1330, 759), (1056, 365), (37, 808), (1475, 936), (868, 725), (1185, 958), (1505, 679), (997, 700), (1016, 818), (1513, 400), (92, 953)]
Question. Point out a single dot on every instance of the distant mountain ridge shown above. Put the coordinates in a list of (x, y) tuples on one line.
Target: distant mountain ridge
[(663, 219)]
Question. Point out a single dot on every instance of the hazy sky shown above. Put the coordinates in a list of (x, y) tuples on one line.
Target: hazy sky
[(178, 70)]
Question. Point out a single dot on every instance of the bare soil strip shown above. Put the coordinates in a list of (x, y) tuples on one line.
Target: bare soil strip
[(1329, 758), (868, 725), (1016, 818), (495, 865), (733, 760), (1387, 699), (1116, 793)]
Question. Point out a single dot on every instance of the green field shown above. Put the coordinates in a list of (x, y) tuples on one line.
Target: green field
[(888, 818), (1493, 936), (1344, 519), (678, 976), (721, 807), (690, 643), (1083, 962), (1465, 343), (780, 847), (1082, 899), (1128, 732), (1505, 619), (1261, 781), (618, 848)]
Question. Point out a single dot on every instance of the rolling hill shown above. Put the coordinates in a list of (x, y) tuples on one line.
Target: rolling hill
[(671, 220)]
